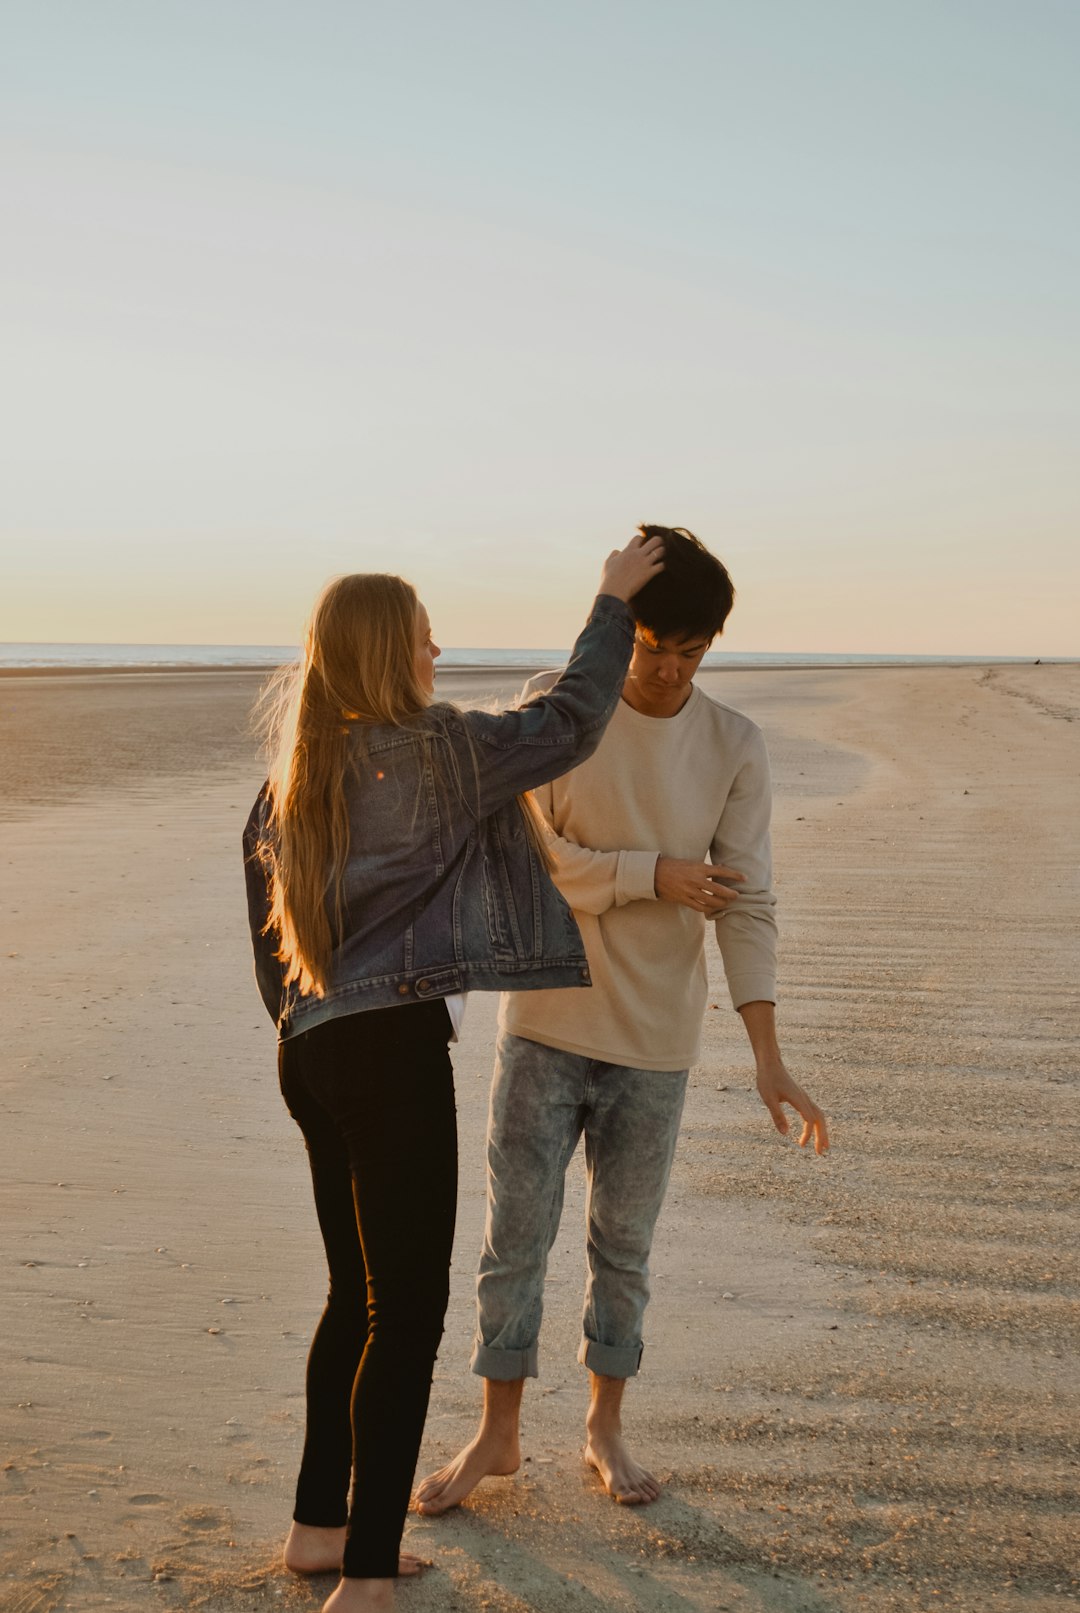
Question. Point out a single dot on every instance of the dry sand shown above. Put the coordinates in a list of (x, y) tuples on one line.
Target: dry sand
[(882, 1415)]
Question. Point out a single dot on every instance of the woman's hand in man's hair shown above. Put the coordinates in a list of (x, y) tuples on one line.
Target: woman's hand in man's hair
[(628, 570)]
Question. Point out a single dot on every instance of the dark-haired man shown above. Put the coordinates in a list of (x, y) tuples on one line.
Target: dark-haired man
[(665, 826)]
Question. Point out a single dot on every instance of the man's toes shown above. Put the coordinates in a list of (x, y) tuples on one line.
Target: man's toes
[(433, 1502), (637, 1491), (431, 1488), (435, 1509)]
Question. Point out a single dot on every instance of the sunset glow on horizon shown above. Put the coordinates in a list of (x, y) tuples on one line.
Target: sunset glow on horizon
[(467, 293)]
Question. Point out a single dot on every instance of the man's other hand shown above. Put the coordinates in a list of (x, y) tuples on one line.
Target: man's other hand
[(775, 1088)]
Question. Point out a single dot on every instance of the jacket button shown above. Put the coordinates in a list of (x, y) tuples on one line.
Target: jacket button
[(585, 976), (403, 991), (423, 985)]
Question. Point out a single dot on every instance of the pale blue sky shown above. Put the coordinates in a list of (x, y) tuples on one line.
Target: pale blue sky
[(467, 290)]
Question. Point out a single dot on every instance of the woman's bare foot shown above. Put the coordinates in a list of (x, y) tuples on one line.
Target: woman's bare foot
[(310, 1550), (361, 1596), (490, 1453), (624, 1479)]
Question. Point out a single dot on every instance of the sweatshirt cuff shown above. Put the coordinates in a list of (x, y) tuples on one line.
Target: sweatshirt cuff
[(752, 988), (635, 877)]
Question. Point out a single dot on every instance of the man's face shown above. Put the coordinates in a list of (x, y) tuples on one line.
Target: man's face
[(661, 672)]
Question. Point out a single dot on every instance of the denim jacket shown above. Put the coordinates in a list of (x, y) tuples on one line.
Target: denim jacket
[(443, 890)]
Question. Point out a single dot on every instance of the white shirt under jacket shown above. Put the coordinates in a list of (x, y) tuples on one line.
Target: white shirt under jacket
[(697, 786)]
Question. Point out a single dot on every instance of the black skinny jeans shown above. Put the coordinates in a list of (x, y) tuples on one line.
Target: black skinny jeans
[(373, 1094)]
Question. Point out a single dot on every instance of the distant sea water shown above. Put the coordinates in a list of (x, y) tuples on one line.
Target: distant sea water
[(27, 657), (257, 656)]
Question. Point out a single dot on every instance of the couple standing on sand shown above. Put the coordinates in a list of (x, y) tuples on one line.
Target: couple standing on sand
[(404, 852)]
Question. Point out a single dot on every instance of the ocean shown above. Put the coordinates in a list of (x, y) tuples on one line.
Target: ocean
[(27, 657)]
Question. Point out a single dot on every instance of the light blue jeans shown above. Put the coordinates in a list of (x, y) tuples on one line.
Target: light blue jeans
[(542, 1100)]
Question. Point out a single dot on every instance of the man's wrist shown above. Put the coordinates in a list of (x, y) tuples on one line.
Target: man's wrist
[(759, 1017)]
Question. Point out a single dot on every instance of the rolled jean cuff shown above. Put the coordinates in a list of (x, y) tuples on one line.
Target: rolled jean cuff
[(506, 1366), (611, 1360)]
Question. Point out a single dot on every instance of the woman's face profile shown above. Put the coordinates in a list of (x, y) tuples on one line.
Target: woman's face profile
[(427, 651)]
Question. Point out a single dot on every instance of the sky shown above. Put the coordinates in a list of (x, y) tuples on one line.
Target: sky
[(467, 291)]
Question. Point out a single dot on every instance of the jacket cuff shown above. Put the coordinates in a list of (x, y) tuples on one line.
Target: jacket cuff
[(752, 988), (635, 877)]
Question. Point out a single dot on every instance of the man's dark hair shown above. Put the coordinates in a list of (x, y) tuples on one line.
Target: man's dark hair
[(693, 595)]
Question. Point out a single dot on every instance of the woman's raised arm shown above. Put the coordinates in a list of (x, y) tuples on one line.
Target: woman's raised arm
[(517, 750)]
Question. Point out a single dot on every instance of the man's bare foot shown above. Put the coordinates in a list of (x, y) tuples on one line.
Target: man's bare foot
[(310, 1550), (624, 1479), (491, 1453), (361, 1596), (495, 1451)]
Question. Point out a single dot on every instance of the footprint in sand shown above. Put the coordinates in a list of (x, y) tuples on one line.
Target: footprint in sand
[(203, 1518)]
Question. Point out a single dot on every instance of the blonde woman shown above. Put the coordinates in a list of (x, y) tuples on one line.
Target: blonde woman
[(392, 865)]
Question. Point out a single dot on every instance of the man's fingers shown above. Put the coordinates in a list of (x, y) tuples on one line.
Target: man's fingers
[(779, 1118), (696, 885), (814, 1124), (709, 900), (712, 905), (717, 895)]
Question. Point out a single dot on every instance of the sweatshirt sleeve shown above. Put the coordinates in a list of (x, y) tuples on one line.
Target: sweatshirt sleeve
[(594, 881), (746, 932)]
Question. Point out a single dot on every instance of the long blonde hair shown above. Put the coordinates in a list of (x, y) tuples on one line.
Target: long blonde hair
[(358, 663)]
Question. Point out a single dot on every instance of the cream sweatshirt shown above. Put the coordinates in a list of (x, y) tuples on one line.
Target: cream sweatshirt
[(697, 786)]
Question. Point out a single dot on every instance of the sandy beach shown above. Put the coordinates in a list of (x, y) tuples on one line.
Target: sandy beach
[(860, 1386)]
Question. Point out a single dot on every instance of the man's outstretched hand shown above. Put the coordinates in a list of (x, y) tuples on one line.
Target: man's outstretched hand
[(774, 1084), (775, 1089)]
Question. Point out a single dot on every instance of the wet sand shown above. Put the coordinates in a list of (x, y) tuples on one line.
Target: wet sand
[(860, 1384)]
